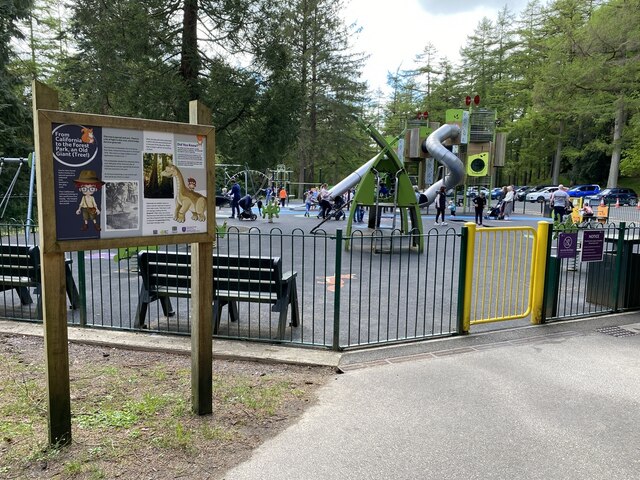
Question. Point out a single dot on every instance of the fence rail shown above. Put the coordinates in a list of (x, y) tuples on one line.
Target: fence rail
[(380, 290), (577, 288), (365, 289)]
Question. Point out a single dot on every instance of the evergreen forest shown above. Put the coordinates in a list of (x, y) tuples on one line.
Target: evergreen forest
[(284, 83)]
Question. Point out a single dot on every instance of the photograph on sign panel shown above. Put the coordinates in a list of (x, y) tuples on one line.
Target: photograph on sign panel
[(122, 206)]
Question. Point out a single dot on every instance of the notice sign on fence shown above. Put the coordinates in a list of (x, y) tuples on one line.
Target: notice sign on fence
[(593, 246), (567, 245)]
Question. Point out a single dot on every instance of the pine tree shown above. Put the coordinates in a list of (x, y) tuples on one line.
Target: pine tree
[(15, 117)]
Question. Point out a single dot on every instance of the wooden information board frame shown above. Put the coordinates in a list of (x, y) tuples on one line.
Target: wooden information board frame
[(52, 250)]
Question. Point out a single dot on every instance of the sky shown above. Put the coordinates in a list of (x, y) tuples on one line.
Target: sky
[(394, 32)]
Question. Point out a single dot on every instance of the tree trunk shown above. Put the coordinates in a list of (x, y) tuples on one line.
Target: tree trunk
[(302, 140), (555, 169), (190, 60), (614, 169), (313, 96)]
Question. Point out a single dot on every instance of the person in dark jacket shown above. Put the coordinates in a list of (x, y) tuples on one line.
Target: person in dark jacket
[(479, 203), (441, 205), (235, 200)]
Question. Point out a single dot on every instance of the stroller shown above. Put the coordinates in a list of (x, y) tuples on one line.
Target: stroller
[(337, 211), (245, 204), (495, 212), (329, 210)]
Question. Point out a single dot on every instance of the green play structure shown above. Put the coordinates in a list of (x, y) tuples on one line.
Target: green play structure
[(386, 169)]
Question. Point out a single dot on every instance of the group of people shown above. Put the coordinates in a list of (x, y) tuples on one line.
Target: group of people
[(559, 201), (321, 197), (235, 194), (502, 211), (562, 205), (317, 196)]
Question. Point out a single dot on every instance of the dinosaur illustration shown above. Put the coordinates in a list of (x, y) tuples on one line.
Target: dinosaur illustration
[(185, 199)]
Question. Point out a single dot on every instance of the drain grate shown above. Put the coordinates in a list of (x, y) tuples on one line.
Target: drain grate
[(616, 331)]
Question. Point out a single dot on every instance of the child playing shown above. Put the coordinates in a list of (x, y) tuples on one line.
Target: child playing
[(452, 208)]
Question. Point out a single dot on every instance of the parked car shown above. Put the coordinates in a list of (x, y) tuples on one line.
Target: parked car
[(496, 193), (521, 192), (583, 190), (535, 188), (541, 195), (473, 192), (626, 196)]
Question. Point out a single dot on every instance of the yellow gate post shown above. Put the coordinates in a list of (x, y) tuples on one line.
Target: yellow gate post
[(471, 241), (540, 266)]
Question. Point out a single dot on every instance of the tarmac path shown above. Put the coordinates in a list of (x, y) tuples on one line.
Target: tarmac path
[(563, 405)]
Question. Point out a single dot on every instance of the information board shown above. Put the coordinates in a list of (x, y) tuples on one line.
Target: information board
[(116, 178)]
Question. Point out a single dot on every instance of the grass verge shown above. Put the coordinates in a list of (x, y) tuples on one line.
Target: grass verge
[(131, 413)]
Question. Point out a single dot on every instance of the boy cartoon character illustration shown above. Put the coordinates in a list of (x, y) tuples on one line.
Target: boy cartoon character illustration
[(191, 183), (88, 183)]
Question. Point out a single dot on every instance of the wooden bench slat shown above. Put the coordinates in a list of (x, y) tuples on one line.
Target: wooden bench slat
[(18, 280), (20, 269)]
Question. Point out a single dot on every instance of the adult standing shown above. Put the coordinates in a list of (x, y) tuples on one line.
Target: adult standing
[(558, 201), (235, 200), (323, 199), (508, 200), (501, 202), (441, 205), (479, 203)]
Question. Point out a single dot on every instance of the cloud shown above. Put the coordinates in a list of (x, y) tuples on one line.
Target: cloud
[(438, 7)]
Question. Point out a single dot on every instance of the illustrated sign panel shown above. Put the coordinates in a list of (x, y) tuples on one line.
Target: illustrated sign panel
[(567, 245), (112, 182), (593, 246)]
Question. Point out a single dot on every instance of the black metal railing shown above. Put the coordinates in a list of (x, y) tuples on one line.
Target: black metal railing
[(365, 289), (577, 287), (361, 290)]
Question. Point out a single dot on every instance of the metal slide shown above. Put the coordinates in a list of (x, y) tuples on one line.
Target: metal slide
[(352, 180), (433, 145)]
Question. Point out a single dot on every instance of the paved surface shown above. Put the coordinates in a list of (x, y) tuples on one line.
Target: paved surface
[(557, 401), (553, 402)]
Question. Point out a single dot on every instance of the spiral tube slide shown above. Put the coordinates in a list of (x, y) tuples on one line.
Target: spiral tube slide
[(433, 145)]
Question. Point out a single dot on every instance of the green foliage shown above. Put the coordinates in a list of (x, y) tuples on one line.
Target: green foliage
[(283, 84), (567, 226), (15, 115), (630, 165)]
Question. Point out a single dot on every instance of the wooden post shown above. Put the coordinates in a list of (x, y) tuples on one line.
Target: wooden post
[(54, 307), (202, 293)]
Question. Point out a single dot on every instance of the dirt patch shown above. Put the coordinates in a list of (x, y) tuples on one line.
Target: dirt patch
[(131, 413)]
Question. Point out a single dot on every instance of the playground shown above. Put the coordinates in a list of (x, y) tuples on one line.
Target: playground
[(393, 275)]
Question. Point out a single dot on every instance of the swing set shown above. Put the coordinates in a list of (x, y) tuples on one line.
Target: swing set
[(6, 197)]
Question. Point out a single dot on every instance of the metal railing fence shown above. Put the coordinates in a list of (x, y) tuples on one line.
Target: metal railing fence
[(577, 288), (380, 290)]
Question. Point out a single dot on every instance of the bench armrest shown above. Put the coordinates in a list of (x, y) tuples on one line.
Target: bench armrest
[(289, 276)]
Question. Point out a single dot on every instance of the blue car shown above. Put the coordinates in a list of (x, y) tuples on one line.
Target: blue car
[(496, 193), (583, 190)]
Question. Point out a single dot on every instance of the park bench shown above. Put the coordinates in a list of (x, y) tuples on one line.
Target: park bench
[(235, 279), (20, 270)]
